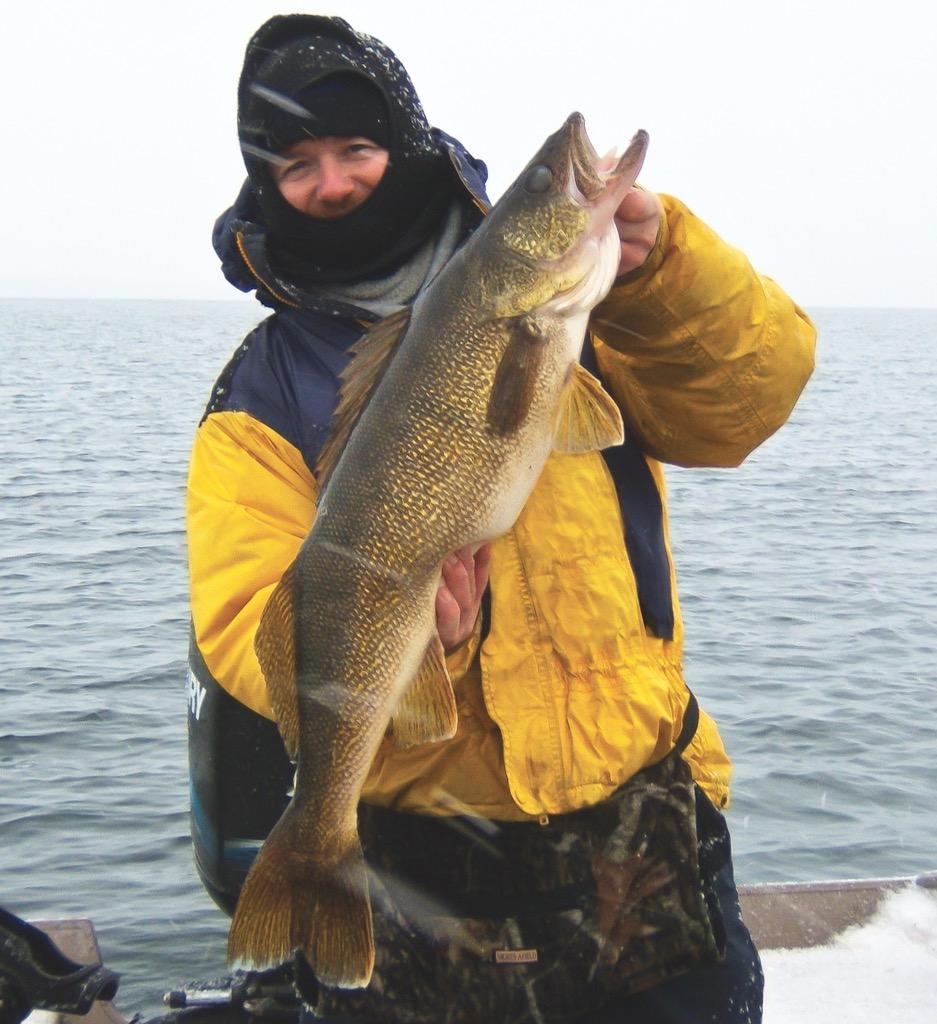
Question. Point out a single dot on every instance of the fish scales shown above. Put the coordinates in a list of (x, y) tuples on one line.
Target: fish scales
[(482, 385)]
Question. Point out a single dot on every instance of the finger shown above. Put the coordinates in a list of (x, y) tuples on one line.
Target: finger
[(644, 231), (467, 557), (458, 579), (637, 206), (448, 617), (633, 255)]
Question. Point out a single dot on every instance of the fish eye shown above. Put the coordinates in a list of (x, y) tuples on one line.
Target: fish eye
[(539, 179)]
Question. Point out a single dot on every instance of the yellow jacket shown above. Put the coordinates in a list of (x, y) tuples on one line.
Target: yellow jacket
[(570, 692)]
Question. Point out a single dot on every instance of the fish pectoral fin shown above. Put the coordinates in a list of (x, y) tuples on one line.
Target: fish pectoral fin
[(516, 377), (589, 419), (370, 357), (426, 713), (273, 645)]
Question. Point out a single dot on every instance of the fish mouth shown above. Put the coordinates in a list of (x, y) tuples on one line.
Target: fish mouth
[(596, 185), (595, 181)]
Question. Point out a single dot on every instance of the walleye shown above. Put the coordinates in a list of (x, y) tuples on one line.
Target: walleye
[(455, 408)]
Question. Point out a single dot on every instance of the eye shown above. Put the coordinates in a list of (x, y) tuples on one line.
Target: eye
[(290, 170), (539, 179)]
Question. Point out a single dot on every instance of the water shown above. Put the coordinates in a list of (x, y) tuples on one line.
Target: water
[(811, 605), (807, 582)]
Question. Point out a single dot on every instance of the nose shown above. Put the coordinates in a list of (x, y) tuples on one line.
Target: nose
[(334, 184)]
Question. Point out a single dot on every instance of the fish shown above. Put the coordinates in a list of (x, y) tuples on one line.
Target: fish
[(447, 415)]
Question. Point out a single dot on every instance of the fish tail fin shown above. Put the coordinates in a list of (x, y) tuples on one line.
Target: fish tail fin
[(292, 901)]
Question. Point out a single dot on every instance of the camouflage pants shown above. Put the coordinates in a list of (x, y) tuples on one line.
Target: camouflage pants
[(479, 922)]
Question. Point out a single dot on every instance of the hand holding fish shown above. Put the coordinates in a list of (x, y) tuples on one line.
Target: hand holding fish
[(638, 222), (463, 581)]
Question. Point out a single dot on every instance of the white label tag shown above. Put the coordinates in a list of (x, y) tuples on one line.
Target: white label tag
[(515, 956), (196, 695)]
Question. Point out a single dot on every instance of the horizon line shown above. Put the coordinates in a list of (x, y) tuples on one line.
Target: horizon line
[(248, 297)]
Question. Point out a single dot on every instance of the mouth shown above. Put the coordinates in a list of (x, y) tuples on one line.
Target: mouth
[(595, 181), (596, 185)]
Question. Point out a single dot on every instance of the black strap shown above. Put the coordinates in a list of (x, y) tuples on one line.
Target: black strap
[(643, 517), (690, 724)]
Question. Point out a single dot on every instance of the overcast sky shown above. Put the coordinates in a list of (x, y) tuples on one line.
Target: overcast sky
[(803, 132)]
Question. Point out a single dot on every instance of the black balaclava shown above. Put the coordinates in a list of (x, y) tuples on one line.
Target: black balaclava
[(307, 76)]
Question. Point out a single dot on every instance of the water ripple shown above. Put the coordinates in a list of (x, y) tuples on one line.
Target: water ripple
[(809, 599)]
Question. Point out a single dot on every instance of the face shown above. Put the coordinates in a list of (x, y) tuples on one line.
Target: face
[(329, 177)]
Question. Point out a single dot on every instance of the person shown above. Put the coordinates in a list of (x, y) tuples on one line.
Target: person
[(563, 638)]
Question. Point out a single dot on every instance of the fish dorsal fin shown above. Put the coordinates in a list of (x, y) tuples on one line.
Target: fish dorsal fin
[(589, 418), (371, 355), (274, 647), (427, 712)]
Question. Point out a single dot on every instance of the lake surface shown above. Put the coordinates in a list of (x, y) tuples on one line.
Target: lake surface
[(807, 578)]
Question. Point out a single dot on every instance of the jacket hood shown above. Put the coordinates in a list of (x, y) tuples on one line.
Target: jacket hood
[(299, 59), (290, 52)]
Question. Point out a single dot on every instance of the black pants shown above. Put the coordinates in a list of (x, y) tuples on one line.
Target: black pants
[(727, 993)]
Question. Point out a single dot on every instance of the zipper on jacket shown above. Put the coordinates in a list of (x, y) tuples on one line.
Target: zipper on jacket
[(242, 249)]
